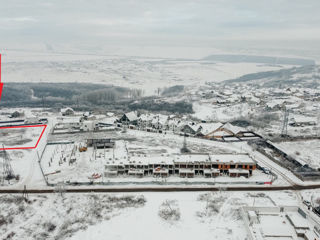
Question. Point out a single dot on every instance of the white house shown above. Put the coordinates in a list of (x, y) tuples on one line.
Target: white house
[(67, 111)]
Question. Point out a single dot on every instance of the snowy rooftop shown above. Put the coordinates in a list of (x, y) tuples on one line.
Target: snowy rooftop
[(132, 116), (298, 221), (192, 158), (185, 158), (152, 159), (207, 128), (233, 128), (275, 226), (236, 158)]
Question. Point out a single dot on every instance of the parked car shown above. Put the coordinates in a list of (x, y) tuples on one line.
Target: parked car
[(307, 203), (266, 170)]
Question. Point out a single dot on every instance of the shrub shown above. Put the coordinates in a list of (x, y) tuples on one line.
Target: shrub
[(169, 210)]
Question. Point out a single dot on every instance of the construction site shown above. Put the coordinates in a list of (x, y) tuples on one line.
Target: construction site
[(102, 161), (281, 222)]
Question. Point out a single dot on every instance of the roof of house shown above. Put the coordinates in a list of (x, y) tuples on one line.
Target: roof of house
[(236, 158), (108, 120), (132, 116), (232, 128), (207, 128), (191, 158), (66, 109), (152, 159), (186, 158), (146, 117), (219, 134), (194, 127)]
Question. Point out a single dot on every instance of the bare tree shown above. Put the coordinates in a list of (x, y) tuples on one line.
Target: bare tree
[(169, 210)]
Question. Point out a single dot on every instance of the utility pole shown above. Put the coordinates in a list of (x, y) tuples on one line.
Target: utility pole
[(184, 148), (284, 129), (318, 123), (25, 194), (8, 173)]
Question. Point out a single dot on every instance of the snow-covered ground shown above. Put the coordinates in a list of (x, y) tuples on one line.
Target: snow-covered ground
[(141, 144), (138, 143), (209, 215), (24, 162), (20, 137), (59, 216), (148, 74), (305, 150), (211, 112), (203, 216)]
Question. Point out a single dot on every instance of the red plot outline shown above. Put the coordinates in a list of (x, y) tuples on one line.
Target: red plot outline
[(26, 126)]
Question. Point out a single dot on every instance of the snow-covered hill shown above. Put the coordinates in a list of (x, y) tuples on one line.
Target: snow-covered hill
[(306, 76), (148, 74)]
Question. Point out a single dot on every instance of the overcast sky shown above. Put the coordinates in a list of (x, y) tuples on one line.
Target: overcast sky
[(156, 22)]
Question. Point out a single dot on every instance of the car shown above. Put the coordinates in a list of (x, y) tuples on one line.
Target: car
[(43, 120), (266, 170), (307, 203)]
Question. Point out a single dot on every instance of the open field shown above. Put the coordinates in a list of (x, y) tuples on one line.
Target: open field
[(305, 150), (148, 74), (57, 216), (96, 216), (12, 137)]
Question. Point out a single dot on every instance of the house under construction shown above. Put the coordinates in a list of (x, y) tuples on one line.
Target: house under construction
[(100, 143), (186, 165)]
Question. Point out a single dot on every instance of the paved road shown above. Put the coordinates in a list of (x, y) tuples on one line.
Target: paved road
[(164, 189)]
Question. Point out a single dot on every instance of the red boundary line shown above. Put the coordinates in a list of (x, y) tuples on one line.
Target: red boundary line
[(26, 126)]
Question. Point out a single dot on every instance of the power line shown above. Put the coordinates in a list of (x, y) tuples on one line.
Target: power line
[(8, 173), (284, 129)]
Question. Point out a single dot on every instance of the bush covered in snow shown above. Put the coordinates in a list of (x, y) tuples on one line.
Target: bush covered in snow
[(169, 210), (213, 203)]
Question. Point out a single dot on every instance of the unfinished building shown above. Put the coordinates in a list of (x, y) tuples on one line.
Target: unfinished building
[(281, 222), (185, 166), (100, 143)]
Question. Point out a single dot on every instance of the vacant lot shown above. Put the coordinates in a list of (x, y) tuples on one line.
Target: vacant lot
[(308, 151), (19, 137)]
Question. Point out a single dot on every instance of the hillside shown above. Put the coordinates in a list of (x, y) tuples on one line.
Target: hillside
[(232, 58), (308, 76)]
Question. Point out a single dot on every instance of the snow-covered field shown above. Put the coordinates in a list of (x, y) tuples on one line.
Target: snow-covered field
[(148, 74), (213, 215), (305, 150), (59, 216), (210, 112), (20, 137)]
